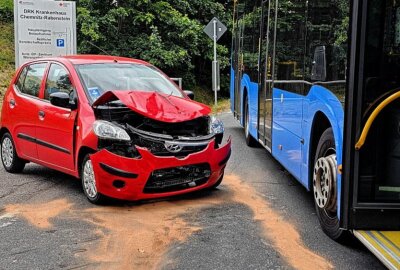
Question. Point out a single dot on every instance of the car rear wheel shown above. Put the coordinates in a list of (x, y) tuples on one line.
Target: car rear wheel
[(325, 188), (89, 184), (11, 162)]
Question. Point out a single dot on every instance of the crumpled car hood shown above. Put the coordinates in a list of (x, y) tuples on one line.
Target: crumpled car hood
[(156, 106)]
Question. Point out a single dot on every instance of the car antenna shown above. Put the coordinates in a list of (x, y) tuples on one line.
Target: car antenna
[(97, 47)]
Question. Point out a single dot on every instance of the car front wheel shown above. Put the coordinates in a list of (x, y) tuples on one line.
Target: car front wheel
[(11, 162), (89, 184)]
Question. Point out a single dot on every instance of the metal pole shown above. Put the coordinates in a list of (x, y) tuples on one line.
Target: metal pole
[(215, 86)]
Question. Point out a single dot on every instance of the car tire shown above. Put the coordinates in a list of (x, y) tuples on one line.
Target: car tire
[(89, 185), (11, 162), (250, 141), (328, 220), (218, 182)]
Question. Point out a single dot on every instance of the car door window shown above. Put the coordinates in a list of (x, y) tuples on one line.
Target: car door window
[(21, 79), (33, 79), (58, 81)]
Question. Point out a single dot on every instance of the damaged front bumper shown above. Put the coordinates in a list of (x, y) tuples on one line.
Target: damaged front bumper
[(153, 176)]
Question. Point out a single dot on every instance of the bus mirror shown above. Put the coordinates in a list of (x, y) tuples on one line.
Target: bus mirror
[(318, 72)]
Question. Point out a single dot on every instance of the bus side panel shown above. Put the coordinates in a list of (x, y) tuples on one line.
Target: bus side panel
[(287, 148), (287, 130), (251, 90), (232, 89), (320, 99), (288, 110)]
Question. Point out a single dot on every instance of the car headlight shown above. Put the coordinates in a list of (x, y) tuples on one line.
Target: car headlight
[(107, 130), (216, 126)]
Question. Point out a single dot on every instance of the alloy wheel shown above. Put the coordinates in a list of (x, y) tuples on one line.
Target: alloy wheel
[(7, 152), (89, 180)]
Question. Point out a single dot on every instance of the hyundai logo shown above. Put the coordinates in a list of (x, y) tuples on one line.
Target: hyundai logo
[(173, 148)]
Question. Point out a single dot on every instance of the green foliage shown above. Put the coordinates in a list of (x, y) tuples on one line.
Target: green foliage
[(7, 67), (166, 33), (6, 10)]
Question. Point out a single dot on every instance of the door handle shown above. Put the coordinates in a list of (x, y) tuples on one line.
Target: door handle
[(41, 114), (12, 103)]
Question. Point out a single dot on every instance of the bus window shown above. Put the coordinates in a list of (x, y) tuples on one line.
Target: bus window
[(251, 36), (327, 27), (290, 45)]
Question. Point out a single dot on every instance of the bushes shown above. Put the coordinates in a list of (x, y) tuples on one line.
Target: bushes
[(6, 10)]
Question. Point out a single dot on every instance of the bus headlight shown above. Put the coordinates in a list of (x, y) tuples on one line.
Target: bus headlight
[(216, 126), (107, 130)]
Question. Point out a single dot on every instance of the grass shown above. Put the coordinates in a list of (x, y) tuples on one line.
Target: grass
[(207, 97), (7, 66)]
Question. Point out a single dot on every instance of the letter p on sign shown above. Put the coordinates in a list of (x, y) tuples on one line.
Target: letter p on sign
[(60, 43)]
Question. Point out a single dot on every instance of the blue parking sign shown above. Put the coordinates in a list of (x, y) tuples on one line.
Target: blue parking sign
[(60, 43)]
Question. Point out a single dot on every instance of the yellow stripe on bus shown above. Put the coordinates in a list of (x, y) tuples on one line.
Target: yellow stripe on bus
[(380, 250), (387, 243), (394, 237)]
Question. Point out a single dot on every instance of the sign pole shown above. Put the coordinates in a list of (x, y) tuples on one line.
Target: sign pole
[(215, 63), (215, 29)]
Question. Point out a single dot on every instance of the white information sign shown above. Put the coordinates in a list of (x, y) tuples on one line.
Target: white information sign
[(43, 29)]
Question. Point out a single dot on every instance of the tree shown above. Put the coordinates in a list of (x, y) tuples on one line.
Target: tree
[(167, 33)]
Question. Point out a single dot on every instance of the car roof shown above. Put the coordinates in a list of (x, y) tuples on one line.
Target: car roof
[(92, 59)]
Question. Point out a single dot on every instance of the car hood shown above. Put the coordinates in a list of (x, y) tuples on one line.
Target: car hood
[(156, 106)]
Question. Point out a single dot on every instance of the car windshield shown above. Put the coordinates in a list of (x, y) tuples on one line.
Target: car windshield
[(100, 78)]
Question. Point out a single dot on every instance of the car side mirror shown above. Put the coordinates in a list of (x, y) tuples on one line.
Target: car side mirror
[(60, 99), (318, 72), (190, 94)]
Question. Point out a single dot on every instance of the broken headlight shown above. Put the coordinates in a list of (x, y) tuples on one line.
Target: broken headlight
[(216, 126), (109, 131)]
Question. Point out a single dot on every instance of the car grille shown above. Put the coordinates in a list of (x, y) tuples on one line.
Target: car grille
[(157, 148), (177, 178)]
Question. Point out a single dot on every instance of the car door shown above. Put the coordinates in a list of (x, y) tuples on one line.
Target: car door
[(23, 106), (55, 127)]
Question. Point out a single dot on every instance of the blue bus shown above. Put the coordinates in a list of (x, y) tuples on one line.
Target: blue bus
[(317, 83)]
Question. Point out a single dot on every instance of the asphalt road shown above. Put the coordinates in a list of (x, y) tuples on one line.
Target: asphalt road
[(260, 218)]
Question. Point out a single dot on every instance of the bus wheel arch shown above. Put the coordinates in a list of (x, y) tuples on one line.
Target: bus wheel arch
[(244, 101), (319, 125), (323, 184), (250, 141)]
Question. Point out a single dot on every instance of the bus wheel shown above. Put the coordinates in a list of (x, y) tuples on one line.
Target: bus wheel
[(250, 141), (324, 187)]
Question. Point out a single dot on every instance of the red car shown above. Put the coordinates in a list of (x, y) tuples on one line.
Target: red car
[(121, 125)]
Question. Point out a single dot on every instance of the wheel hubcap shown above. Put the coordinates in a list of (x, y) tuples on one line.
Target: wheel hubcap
[(324, 183), (7, 152), (89, 181)]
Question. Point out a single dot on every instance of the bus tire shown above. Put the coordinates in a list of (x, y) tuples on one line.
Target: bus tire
[(250, 141), (328, 220)]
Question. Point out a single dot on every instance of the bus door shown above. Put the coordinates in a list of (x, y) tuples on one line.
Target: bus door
[(267, 30), (371, 167), (238, 58)]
